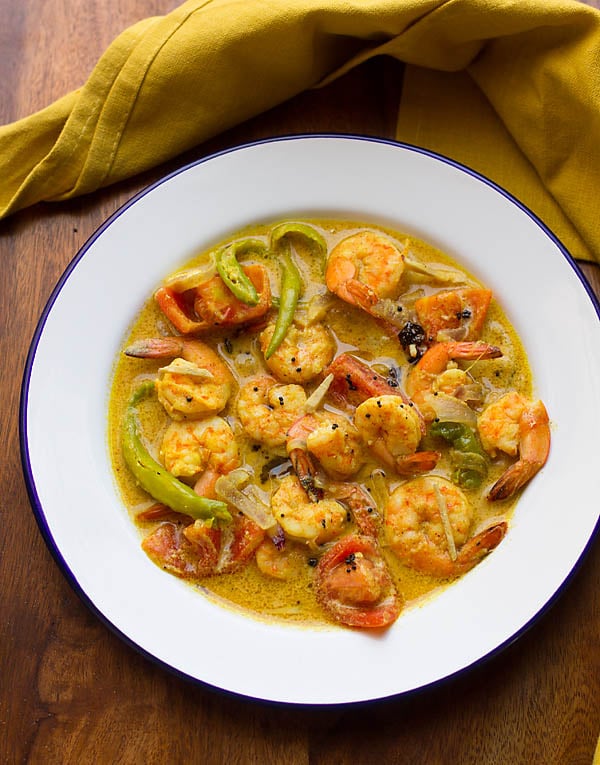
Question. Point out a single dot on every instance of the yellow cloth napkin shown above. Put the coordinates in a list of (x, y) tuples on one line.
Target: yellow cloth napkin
[(510, 87)]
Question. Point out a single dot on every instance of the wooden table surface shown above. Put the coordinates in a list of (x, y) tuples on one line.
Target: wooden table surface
[(72, 692)]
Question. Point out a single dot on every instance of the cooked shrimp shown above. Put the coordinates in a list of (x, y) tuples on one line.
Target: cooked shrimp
[(363, 268), (332, 439), (427, 525), (201, 450), (197, 383), (301, 519), (360, 503), (354, 586), (267, 409), (429, 377), (515, 425), (392, 431), (279, 564), (454, 314), (354, 381), (302, 355)]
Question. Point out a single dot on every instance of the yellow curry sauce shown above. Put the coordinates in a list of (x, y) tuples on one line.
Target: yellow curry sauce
[(354, 331)]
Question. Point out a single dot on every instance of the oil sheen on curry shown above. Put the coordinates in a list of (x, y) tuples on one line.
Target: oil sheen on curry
[(323, 422)]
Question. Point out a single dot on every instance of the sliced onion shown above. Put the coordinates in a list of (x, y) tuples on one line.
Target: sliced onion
[(454, 333), (228, 489), (451, 409), (316, 397), (391, 311), (193, 277), (410, 298), (183, 367), (443, 508), (439, 273), (470, 392), (318, 306), (380, 492)]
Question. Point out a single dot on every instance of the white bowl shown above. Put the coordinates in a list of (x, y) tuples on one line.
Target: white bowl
[(70, 365)]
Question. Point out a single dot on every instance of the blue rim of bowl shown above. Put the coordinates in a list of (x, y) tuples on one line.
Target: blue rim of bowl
[(36, 504)]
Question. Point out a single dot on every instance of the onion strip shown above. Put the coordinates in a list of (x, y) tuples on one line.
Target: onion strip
[(451, 409), (251, 505), (316, 397), (227, 487), (379, 488), (183, 367), (192, 277), (444, 275), (443, 508)]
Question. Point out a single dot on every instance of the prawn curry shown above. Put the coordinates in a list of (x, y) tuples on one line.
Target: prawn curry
[(323, 422)]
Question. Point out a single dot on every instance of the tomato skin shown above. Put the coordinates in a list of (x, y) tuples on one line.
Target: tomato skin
[(239, 541), (377, 606), (354, 381), (216, 306), (171, 550), (178, 308), (198, 550), (211, 304)]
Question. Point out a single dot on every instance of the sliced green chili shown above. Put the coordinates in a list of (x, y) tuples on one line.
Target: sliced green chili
[(469, 469), (468, 457), (154, 478), (233, 274), (302, 229), (291, 281), (291, 286)]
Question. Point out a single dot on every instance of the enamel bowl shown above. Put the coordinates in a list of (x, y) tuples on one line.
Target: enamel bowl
[(65, 398)]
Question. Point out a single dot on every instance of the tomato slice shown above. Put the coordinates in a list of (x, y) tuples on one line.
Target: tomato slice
[(239, 541), (354, 585), (217, 306), (200, 549), (354, 381), (178, 307), (211, 304)]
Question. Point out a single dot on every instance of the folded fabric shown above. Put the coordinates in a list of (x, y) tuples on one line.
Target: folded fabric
[(511, 88)]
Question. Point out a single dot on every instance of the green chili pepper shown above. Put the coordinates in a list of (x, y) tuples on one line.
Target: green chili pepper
[(469, 468), (468, 457), (291, 281), (154, 478), (461, 436), (291, 286), (233, 274), (302, 229)]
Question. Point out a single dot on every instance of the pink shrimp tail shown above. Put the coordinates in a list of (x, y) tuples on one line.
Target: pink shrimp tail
[(205, 485), (435, 359), (361, 506), (534, 447), (419, 462), (305, 469), (512, 480), (360, 294), (156, 348), (480, 545)]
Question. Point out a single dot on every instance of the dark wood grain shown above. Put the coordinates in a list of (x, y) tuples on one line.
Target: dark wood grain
[(70, 690)]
